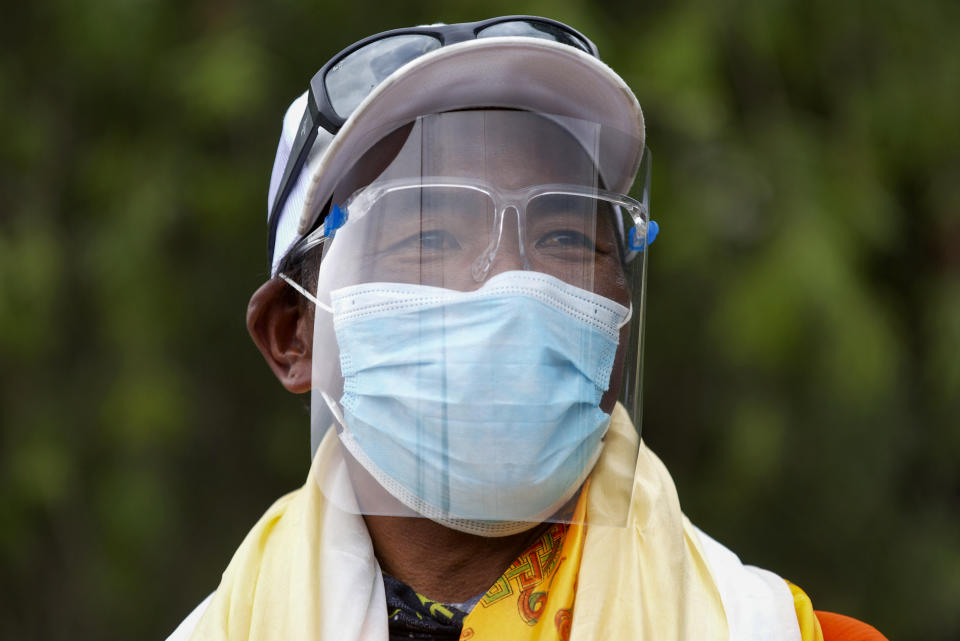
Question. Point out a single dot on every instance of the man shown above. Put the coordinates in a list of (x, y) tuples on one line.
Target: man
[(458, 280)]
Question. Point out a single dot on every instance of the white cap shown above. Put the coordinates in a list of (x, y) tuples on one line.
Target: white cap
[(508, 72)]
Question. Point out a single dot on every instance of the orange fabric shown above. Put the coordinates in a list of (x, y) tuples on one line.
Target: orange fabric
[(837, 627)]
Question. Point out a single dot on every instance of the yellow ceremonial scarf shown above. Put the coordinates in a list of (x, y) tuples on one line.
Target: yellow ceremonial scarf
[(534, 598), (648, 581)]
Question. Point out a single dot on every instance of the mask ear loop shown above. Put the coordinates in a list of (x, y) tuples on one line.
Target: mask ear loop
[(310, 297), (627, 318), (332, 405), (334, 408)]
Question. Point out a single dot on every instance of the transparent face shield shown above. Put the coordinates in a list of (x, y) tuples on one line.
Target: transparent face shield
[(479, 313)]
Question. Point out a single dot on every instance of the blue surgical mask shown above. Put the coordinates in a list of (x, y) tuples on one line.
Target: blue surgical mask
[(479, 410)]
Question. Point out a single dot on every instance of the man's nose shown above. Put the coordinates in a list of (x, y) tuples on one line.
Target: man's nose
[(510, 255)]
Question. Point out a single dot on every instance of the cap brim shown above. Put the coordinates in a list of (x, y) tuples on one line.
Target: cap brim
[(506, 72)]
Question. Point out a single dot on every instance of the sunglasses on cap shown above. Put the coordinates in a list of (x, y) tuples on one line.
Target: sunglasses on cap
[(347, 78)]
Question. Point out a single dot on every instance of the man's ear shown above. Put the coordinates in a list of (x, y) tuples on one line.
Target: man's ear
[(283, 334)]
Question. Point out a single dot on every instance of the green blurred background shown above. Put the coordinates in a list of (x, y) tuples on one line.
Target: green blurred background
[(803, 337)]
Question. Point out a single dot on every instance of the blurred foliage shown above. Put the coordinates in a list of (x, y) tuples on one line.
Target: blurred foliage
[(803, 336)]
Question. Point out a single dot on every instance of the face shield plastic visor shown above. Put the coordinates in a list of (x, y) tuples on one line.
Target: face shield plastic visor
[(479, 313)]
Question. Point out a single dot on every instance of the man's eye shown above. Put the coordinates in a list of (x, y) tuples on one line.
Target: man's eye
[(565, 239), (429, 240), (437, 240)]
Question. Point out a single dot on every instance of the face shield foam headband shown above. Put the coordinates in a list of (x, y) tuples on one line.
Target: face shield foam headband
[(477, 310)]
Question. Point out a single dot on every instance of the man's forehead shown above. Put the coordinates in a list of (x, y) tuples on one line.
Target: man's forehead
[(507, 148)]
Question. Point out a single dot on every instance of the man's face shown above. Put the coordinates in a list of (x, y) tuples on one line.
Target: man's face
[(438, 236)]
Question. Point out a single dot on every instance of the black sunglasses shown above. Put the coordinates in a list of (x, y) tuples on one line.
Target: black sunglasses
[(348, 77)]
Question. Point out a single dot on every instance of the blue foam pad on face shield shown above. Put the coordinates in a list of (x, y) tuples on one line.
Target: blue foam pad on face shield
[(334, 221), (639, 245)]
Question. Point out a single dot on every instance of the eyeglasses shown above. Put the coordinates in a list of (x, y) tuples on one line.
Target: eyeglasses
[(450, 230), (347, 78)]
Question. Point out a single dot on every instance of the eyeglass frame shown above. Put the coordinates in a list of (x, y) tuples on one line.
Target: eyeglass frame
[(502, 199), (320, 111)]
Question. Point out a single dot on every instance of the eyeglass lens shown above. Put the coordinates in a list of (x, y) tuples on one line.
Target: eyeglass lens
[(350, 80), (532, 29), (435, 234)]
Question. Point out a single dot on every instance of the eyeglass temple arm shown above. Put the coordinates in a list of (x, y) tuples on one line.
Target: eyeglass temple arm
[(306, 135)]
